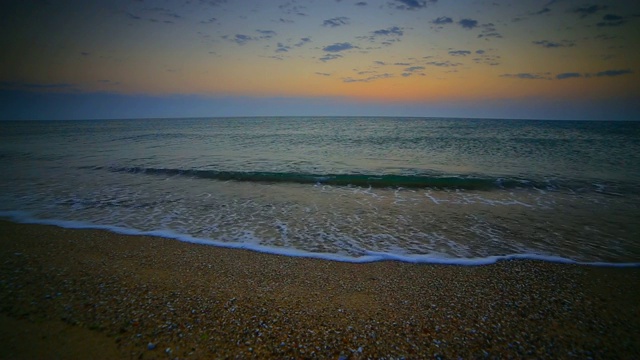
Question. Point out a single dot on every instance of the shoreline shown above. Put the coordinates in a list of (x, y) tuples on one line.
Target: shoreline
[(140, 296), (372, 256)]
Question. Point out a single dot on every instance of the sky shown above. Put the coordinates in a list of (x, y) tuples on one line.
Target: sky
[(87, 59)]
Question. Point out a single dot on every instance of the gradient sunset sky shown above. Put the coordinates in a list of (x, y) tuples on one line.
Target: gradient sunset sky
[(498, 59)]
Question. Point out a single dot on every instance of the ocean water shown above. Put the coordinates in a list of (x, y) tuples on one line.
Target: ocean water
[(459, 191)]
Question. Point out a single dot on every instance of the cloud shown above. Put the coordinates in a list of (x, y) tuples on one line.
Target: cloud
[(554, 44), (239, 39), (282, 48), (443, 63), (459, 52), (611, 20), (468, 23), (543, 11), (291, 8), (527, 76), (589, 10), (489, 31), (337, 47), (384, 36), (484, 57), (164, 12), (329, 57), (611, 73), (322, 74), (133, 17), (490, 35), (361, 3), (410, 4), (392, 31), (367, 79), (338, 21), (160, 14), (213, 2), (302, 41), (378, 62), (442, 20), (266, 34), (412, 70), (568, 75), (209, 21)]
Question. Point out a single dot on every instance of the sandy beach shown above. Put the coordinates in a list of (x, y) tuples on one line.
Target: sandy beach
[(75, 294)]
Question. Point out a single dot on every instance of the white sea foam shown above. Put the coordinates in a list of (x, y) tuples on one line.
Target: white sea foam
[(250, 242)]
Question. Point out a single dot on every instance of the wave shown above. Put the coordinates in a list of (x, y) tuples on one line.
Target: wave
[(363, 180), (369, 256)]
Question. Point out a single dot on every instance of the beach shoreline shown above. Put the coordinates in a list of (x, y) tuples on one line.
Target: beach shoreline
[(149, 297)]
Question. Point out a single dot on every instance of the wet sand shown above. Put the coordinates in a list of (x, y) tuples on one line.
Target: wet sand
[(94, 294)]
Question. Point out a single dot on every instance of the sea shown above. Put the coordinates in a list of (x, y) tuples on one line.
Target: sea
[(354, 189)]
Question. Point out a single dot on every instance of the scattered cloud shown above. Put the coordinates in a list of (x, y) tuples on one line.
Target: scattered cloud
[(322, 74), (302, 41), (489, 31), (282, 48), (337, 47), (213, 2), (164, 12), (442, 20), (611, 20), (155, 15), (239, 39), (291, 8), (329, 57), (589, 10), (414, 68), (527, 76), (410, 4), (133, 16), (384, 36), (459, 52), (486, 58), (367, 79), (266, 34), (543, 11), (568, 75), (611, 73), (554, 44), (242, 39), (392, 31), (209, 21), (468, 23), (337, 21), (85, 53), (361, 3), (446, 63)]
